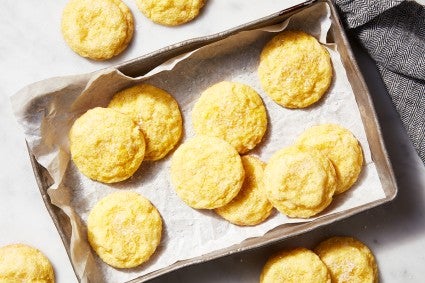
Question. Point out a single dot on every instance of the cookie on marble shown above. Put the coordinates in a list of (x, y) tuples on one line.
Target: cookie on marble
[(97, 29), (250, 206), (340, 146), (124, 229), (295, 266), (22, 263), (299, 183), (295, 69), (106, 145), (348, 260), (157, 114), (206, 172), (233, 112), (170, 12)]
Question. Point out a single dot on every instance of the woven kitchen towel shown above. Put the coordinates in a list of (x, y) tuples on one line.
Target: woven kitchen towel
[(393, 33)]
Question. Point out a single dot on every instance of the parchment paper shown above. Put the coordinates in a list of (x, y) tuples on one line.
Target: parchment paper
[(47, 110)]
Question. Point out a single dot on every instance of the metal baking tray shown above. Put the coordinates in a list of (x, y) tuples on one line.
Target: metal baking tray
[(144, 64)]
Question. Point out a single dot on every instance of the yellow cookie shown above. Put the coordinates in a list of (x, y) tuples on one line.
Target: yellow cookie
[(251, 205), (97, 29), (233, 112), (299, 183), (341, 147), (170, 12), (295, 70), (124, 229), (158, 116), (106, 145), (22, 263), (348, 260), (206, 172), (295, 266)]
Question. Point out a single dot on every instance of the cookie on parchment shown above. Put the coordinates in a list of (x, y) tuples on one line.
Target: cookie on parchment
[(233, 112), (299, 183), (295, 69), (250, 206), (348, 260), (97, 29), (22, 263), (295, 266), (157, 113), (340, 146), (170, 12), (106, 145), (124, 229), (206, 172)]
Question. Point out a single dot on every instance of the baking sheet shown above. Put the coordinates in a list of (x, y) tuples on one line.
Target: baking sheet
[(47, 110)]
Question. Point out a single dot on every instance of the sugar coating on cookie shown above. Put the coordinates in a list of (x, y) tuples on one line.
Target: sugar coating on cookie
[(295, 266), (97, 29), (124, 229), (348, 260), (106, 145), (22, 263), (299, 183), (295, 70), (340, 146), (206, 172), (170, 12), (250, 206), (233, 112), (157, 113)]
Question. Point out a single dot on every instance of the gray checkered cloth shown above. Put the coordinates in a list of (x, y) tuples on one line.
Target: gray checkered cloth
[(393, 33)]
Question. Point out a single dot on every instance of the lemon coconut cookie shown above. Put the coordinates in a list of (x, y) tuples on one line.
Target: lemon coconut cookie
[(250, 206), (124, 229), (348, 260), (295, 266), (299, 183), (170, 12), (340, 146), (22, 263), (295, 70), (233, 112), (97, 29), (206, 172), (157, 114), (106, 145)]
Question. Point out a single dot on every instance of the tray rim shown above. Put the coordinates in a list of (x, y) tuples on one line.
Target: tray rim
[(126, 67)]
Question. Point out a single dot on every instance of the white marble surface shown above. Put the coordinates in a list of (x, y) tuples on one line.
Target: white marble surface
[(32, 49)]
